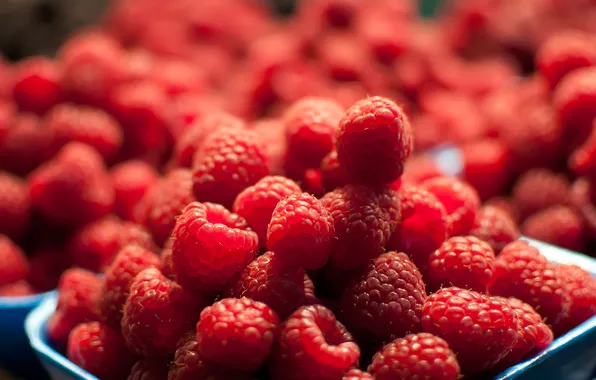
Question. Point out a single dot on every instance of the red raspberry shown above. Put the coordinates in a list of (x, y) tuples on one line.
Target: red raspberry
[(424, 226), (99, 350), (166, 260), (333, 175), (463, 261), (237, 333), (557, 225), (364, 221), (434, 359), (461, 202), (256, 203), (495, 226), (580, 197), (505, 204), (581, 287), (356, 374), (533, 335), (583, 159), (13, 262), (149, 369), (37, 85), (79, 294), (166, 201), (522, 272), (17, 289), (87, 125), (73, 188), (195, 135), (419, 168), (46, 265), (178, 76), (311, 124), (486, 166), (267, 280), (301, 231), (118, 276), (273, 135), (94, 246), (480, 329), (24, 145), (313, 345), (228, 162), (343, 59), (374, 132), (211, 245), (564, 52), (538, 189), (15, 206), (156, 314), (131, 181), (386, 300)]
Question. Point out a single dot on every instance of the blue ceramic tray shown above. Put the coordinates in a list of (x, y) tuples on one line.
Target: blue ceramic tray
[(15, 352), (572, 356)]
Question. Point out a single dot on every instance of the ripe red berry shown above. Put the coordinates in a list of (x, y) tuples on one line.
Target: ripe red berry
[(100, 350), (118, 276), (583, 159), (522, 272), (434, 359), (581, 288), (356, 374), (17, 289), (580, 197), (228, 162), (211, 245), (15, 206), (494, 226), (36, 85), (463, 261), (480, 329), (461, 202), (313, 345), (364, 220), (374, 133), (538, 189), (486, 166), (131, 181), (301, 231), (157, 314), (385, 300), (557, 225), (256, 203), (333, 175), (13, 262), (149, 369)]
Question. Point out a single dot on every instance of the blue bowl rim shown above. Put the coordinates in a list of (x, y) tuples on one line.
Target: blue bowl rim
[(25, 301), (37, 320)]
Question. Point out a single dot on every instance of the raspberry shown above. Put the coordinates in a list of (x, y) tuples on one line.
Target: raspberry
[(486, 166), (364, 221), (461, 202), (37, 85), (131, 181), (94, 246), (533, 334), (166, 260), (256, 203), (195, 135), (333, 175), (13, 262), (301, 231), (480, 329), (463, 261), (272, 134), (313, 345), (46, 265), (522, 272), (385, 300), (237, 333), (100, 350), (24, 145), (15, 206), (211, 245), (87, 125), (118, 276), (356, 374), (17, 289), (494, 226), (188, 109), (149, 369), (382, 33), (374, 132), (267, 280), (580, 197), (311, 124), (228, 162), (419, 168), (557, 225), (564, 52), (178, 76), (434, 359), (538, 189), (505, 204), (166, 202), (424, 225), (79, 294), (73, 188), (583, 159), (581, 288), (156, 314)]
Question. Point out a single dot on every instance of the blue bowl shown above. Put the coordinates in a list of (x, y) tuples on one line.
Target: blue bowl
[(16, 355), (571, 356)]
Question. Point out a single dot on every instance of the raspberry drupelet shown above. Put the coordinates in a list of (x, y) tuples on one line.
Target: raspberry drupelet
[(374, 141), (356, 374)]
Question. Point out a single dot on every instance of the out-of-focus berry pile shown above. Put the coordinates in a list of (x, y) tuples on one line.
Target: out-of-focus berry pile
[(218, 193)]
